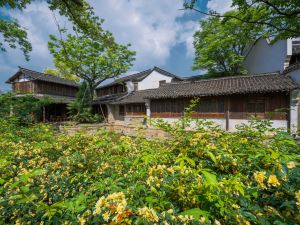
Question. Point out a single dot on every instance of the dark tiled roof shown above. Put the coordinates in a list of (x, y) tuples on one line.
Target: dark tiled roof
[(43, 77), (133, 77), (134, 97), (109, 98), (273, 82), (140, 76), (292, 68)]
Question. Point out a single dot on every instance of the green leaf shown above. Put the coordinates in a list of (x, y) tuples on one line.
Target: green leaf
[(212, 156), (25, 189), (196, 213), (210, 178)]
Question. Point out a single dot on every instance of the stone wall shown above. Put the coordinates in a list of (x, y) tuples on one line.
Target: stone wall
[(122, 129)]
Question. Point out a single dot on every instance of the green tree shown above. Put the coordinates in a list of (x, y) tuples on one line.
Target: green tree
[(79, 12), (61, 70), (221, 45), (279, 18), (91, 58), (80, 109)]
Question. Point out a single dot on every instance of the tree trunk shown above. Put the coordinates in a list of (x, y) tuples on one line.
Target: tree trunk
[(91, 90)]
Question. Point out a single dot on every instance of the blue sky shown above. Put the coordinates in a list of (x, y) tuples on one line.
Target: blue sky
[(160, 33)]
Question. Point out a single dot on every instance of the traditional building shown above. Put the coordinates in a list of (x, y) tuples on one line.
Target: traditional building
[(228, 101), (156, 93), (122, 100), (59, 91)]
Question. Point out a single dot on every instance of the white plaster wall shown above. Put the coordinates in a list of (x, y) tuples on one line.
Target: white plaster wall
[(294, 108), (113, 113), (130, 86), (219, 122), (295, 75), (233, 123), (152, 81), (265, 58)]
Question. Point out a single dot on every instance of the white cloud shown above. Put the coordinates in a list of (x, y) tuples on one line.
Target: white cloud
[(152, 27), (220, 6)]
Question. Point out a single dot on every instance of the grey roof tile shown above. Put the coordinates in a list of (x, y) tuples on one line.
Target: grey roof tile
[(43, 77), (263, 83)]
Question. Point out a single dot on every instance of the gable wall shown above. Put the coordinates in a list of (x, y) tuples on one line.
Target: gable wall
[(265, 58), (152, 81)]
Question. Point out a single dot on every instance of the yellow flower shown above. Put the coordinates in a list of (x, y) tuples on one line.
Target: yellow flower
[(81, 220), (217, 222), (202, 219), (273, 181), (99, 205), (291, 165), (148, 214), (243, 140), (106, 216), (235, 206), (298, 199), (259, 178)]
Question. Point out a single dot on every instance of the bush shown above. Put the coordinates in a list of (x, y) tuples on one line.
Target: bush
[(205, 176), (27, 108)]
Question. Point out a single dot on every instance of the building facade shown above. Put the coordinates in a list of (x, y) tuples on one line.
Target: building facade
[(156, 93), (122, 101), (59, 91)]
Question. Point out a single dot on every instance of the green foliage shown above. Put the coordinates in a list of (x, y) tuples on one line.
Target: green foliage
[(62, 71), (93, 58), (14, 35), (280, 19), (199, 176), (79, 12), (26, 108), (221, 45), (80, 110)]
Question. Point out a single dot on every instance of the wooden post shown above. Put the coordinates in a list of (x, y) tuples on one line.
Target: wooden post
[(227, 113), (44, 114)]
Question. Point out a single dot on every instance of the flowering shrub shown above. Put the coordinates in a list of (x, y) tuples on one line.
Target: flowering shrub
[(204, 176)]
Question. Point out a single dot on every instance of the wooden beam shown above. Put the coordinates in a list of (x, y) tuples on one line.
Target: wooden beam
[(227, 112)]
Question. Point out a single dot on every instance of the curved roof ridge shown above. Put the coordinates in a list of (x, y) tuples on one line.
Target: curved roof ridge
[(222, 78)]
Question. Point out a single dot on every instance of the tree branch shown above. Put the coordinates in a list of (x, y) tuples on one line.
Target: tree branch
[(297, 33)]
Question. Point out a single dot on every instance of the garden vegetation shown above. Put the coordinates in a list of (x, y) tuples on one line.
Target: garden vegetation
[(204, 176)]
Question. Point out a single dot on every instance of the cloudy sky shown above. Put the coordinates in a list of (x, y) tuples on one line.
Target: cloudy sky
[(160, 33)]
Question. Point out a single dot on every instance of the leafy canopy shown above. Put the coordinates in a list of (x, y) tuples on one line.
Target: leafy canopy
[(280, 18), (79, 12), (221, 45), (92, 58), (61, 70)]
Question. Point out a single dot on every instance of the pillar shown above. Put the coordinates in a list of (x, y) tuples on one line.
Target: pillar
[(227, 113), (294, 114), (148, 111), (44, 114), (110, 115)]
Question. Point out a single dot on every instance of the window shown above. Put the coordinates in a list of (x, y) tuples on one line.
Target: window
[(121, 110), (256, 105), (210, 105)]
